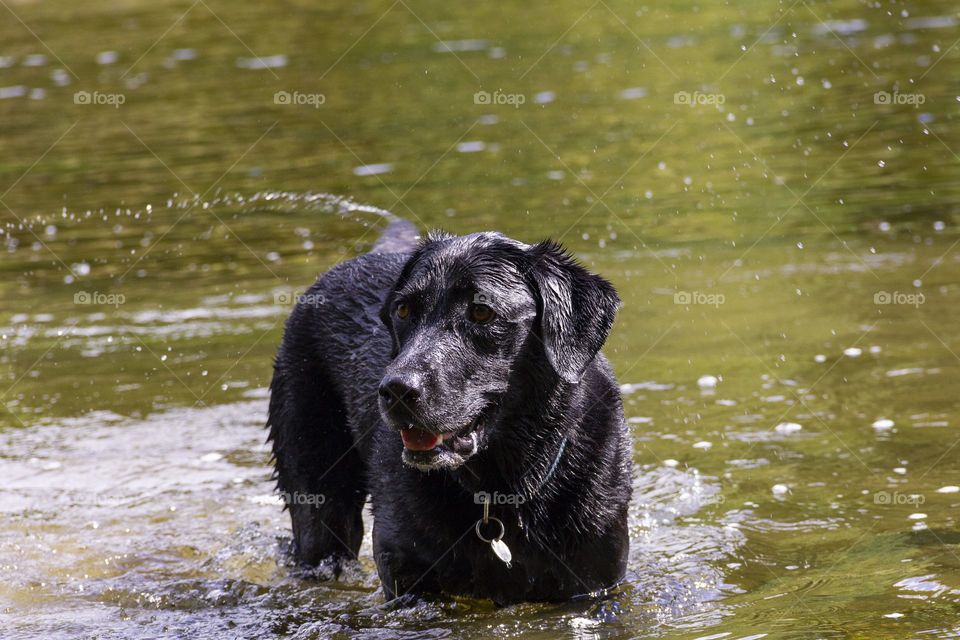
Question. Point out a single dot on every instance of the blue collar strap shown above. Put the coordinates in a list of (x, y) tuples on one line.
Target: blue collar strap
[(550, 471)]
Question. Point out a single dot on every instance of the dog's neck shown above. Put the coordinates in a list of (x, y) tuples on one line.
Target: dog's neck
[(528, 447), (547, 450)]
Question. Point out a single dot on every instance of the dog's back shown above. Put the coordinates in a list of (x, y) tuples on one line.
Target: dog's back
[(323, 398)]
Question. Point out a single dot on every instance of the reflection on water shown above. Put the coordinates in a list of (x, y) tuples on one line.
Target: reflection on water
[(772, 190)]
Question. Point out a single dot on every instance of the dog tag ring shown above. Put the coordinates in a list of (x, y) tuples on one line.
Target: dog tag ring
[(499, 547)]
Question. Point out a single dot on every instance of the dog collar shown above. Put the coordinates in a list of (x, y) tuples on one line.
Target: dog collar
[(553, 467), (497, 545), (548, 475)]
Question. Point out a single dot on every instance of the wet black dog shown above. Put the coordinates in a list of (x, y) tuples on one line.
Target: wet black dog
[(441, 375)]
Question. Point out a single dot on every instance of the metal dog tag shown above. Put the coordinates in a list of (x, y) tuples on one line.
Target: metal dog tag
[(502, 550)]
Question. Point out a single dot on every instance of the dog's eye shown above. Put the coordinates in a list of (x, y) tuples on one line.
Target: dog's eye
[(403, 311), (481, 313)]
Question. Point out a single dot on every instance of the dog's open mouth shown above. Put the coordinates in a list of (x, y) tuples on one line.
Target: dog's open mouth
[(430, 450)]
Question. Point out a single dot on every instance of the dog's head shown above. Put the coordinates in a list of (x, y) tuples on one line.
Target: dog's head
[(464, 311)]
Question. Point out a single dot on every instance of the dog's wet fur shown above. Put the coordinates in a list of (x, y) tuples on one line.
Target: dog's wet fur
[(522, 405)]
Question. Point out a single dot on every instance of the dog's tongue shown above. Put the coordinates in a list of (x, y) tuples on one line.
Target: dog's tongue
[(418, 439)]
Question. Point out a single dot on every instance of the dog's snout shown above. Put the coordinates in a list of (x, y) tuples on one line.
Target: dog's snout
[(405, 389)]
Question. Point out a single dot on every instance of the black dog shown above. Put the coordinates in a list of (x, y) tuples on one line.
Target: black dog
[(446, 378)]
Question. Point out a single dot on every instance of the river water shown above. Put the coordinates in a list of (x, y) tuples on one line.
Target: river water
[(773, 190)]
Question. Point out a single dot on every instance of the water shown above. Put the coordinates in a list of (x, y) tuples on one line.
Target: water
[(772, 190)]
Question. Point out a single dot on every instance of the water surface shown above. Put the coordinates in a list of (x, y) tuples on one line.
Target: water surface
[(771, 188)]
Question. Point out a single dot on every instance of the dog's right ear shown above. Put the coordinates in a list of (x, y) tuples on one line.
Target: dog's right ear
[(575, 309), (386, 311)]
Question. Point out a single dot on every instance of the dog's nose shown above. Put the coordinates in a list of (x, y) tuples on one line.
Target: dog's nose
[(404, 389)]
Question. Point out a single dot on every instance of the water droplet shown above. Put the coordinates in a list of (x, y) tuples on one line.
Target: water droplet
[(788, 427), (544, 97), (372, 169), (471, 146), (707, 382)]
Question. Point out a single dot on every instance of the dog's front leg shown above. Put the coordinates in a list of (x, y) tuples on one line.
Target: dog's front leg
[(404, 578)]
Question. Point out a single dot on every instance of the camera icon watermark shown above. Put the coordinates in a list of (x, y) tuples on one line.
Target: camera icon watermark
[(497, 498), (895, 97), (296, 98), (897, 498), (98, 298), (896, 297), (699, 99), (483, 298), (96, 98), (499, 98), (699, 297)]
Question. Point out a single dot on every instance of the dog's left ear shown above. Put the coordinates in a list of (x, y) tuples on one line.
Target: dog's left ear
[(575, 308), (386, 310), (386, 317)]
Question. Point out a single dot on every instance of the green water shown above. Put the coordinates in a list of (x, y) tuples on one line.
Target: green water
[(758, 241)]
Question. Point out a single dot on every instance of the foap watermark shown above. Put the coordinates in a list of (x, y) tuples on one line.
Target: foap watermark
[(495, 498), (98, 298), (288, 298), (499, 98), (483, 298), (897, 498), (297, 498), (699, 297), (97, 98), (710, 500), (699, 99), (297, 98), (80, 498), (886, 97), (896, 297)]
